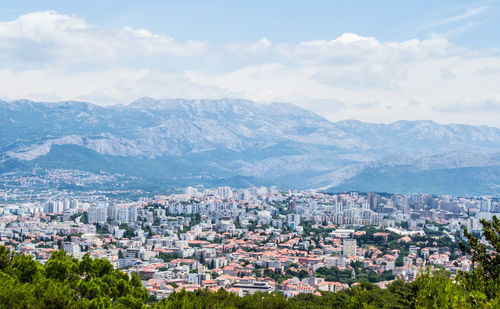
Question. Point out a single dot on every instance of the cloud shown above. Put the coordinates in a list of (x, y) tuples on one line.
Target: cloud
[(489, 105), (50, 38), (153, 84), (462, 18), (470, 12), (447, 74), (259, 46), (350, 48), (47, 55)]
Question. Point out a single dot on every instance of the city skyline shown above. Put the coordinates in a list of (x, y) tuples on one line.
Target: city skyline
[(251, 239)]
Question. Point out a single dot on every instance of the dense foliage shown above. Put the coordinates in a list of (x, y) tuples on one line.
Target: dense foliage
[(354, 298), (65, 282), (345, 276), (484, 281)]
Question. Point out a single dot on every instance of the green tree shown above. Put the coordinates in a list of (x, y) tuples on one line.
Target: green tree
[(438, 291), (65, 282), (483, 282)]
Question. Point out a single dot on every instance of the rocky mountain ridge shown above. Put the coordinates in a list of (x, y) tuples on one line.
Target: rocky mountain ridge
[(277, 143)]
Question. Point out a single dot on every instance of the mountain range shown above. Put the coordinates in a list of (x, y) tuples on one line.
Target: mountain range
[(178, 142)]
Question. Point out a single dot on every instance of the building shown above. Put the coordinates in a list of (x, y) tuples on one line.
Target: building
[(251, 288), (122, 215), (350, 247), (97, 215), (74, 204), (342, 233), (224, 192), (132, 214), (372, 199), (485, 205), (113, 212), (53, 207), (72, 248)]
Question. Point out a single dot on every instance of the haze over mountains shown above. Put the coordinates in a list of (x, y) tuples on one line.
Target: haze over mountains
[(230, 141)]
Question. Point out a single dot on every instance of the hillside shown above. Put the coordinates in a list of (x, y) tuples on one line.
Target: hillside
[(215, 141)]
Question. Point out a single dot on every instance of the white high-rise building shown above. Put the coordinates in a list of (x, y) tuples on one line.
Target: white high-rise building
[(112, 212), (485, 205), (97, 215), (122, 216), (365, 206), (52, 207), (59, 207), (313, 205), (224, 192), (350, 247), (47, 207), (74, 204), (191, 191), (132, 214)]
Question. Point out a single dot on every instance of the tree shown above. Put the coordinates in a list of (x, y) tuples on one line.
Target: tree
[(167, 257), (302, 274), (483, 282), (25, 268), (437, 290), (65, 282), (5, 257), (202, 258)]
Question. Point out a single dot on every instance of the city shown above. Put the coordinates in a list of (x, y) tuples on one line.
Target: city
[(254, 239), (249, 154)]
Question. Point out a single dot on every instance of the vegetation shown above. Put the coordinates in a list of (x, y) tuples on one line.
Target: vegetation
[(65, 282), (345, 276), (129, 231), (483, 282), (167, 257)]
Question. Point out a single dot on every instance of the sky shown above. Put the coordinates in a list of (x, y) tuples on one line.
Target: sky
[(374, 61)]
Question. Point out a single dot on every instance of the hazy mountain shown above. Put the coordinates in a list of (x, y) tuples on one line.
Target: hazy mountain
[(183, 142)]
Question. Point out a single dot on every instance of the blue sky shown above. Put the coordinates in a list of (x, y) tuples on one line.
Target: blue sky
[(376, 61), (290, 21)]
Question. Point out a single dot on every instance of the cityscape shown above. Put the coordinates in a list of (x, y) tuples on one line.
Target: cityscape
[(257, 239), (249, 154)]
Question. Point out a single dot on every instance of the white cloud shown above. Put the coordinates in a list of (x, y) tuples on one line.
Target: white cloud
[(153, 84), (52, 38), (259, 46), (46, 55), (350, 48), (470, 12), (471, 105)]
